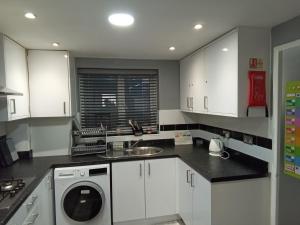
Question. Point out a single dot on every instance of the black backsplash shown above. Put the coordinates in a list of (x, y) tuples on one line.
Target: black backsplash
[(260, 141)]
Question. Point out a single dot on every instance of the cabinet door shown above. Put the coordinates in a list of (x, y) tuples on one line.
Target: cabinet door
[(35, 217), (46, 199), (184, 192), (184, 89), (16, 77), (128, 191), (49, 83), (198, 88), (221, 68), (160, 187), (201, 200)]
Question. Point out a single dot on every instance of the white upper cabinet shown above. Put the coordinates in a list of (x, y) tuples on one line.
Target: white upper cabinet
[(221, 68), (185, 77), (218, 73), (192, 82), (49, 83), (13, 75)]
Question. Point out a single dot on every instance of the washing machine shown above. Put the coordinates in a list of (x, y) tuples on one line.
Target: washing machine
[(82, 195)]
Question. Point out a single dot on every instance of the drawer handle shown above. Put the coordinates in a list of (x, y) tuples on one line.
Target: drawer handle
[(33, 199), (141, 170), (13, 106), (188, 176), (149, 169), (34, 218), (206, 102), (192, 180)]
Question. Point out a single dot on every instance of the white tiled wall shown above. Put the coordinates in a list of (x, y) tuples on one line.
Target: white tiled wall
[(52, 136)]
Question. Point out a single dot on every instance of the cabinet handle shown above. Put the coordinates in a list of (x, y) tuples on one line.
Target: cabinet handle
[(34, 217), (192, 180), (33, 199), (188, 176), (65, 108), (187, 102), (192, 102), (13, 106), (149, 169), (141, 170), (205, 102), (49, 182)]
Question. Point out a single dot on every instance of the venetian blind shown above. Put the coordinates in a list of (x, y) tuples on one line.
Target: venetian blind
[(112, 97)]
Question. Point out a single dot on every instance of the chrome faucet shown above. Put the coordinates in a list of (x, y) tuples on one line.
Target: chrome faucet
[(138, 141)]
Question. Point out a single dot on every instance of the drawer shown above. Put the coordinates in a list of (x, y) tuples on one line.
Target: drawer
[(30, 202), (25, 210), (33, 217)]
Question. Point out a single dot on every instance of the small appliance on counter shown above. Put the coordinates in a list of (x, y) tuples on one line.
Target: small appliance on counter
[(10, 189), (216, 148)]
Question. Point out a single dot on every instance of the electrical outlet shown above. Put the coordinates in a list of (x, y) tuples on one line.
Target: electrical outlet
[(226, 134), (248, 139)]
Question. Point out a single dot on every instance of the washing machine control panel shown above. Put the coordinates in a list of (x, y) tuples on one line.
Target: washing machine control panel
[(81, 172)]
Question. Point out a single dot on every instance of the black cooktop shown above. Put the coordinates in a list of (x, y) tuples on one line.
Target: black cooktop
[(10, 189)]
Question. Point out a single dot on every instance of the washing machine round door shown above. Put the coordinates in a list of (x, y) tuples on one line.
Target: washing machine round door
[(83, 201)]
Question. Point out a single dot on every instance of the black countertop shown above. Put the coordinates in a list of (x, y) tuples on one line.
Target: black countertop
[(214, 169)]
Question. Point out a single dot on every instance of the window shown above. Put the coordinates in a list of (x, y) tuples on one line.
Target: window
[(113, 97)]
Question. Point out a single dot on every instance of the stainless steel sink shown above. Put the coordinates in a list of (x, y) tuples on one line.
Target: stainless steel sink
[(133, 152), (144, 151)]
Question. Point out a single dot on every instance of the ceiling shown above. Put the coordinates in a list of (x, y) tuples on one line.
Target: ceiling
[(81, 26)]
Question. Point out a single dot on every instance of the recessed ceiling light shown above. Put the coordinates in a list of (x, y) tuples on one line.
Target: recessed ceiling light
[(30, 15), (172, 48), (121, 19), (66, 56), (225, 49), (198, 26), (55, 44)]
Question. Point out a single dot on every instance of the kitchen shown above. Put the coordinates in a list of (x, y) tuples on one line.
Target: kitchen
[(138, 112)]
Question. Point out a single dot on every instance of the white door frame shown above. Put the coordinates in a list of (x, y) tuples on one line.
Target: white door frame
[(276, 127)]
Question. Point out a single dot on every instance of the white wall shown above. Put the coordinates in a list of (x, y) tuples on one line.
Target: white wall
[(52, 136), (254, 126), (46, 136)]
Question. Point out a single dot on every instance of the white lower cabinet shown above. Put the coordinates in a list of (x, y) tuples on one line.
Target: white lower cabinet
[(46, 195), (38, 208), (160, 187), (185, 193), (242, 202), (128, 191), (193, 196), (143, 189)]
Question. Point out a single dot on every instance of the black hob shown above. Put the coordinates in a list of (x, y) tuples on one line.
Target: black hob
[(10, 189)]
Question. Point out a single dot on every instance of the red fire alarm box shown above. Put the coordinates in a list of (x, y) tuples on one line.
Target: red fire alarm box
[(257, 90)]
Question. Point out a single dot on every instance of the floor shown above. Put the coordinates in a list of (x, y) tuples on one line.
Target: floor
[(180, 222)]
